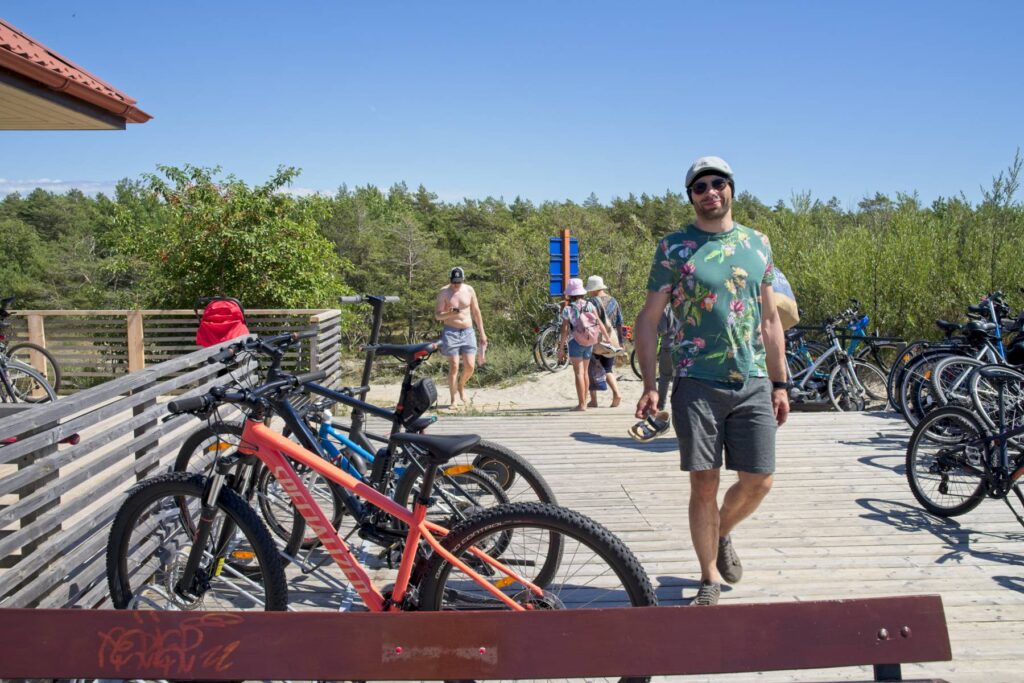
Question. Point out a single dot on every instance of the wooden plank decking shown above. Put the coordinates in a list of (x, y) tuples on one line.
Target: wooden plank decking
[(840, 522)]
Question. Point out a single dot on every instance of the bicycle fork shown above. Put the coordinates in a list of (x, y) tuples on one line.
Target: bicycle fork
[(193, 582)]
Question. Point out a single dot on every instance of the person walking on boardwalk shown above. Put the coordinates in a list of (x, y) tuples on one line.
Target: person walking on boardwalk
[(581, 329), (458, 310), (730, 391), (606, 353)]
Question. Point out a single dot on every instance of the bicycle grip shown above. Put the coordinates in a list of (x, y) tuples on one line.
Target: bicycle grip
[(351, 299), (307, 334), (391, 299), (224, 355), (190, 404), (315, 376)]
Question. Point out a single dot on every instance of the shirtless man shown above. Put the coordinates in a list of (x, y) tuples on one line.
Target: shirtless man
[(458, 310)]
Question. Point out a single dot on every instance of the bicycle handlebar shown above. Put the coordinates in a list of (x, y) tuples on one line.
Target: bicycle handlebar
[(271, 345), (216, 395)]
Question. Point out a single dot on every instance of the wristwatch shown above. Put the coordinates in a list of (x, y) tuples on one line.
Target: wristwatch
[(782, 385)]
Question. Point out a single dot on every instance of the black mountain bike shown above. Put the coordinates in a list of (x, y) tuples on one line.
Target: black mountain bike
[(955, 460)]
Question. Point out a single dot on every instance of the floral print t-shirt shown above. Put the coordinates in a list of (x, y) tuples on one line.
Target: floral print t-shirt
[(715, 280)]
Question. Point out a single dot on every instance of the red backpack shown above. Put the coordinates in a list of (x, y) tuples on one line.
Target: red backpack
[(223, 318)]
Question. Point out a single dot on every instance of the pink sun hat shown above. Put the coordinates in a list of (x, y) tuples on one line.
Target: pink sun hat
[(575, 287)]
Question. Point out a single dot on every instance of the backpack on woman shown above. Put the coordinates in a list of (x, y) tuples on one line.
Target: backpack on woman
[(586, 328)]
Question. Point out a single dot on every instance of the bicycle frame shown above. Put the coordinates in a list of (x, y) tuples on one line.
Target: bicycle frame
[(809, 372), (273, 450)]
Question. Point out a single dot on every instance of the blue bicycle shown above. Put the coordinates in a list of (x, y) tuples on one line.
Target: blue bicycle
[(483, 476)]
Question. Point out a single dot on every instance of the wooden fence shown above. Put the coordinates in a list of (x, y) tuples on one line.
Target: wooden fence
[(57, 500), (99, 345)]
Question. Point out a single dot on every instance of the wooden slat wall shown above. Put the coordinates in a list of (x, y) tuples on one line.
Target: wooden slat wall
[(57, 500), (92, 346)]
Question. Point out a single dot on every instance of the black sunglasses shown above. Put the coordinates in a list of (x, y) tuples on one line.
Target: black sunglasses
[(701, 186)]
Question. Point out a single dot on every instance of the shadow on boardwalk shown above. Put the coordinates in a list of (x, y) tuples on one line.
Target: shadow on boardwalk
[(959, 541)]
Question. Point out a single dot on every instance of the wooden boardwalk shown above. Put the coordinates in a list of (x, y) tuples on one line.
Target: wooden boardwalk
[(839, 522)]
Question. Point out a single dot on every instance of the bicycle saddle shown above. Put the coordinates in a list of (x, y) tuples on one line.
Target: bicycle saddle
[(407, 353), (948, 326), (792, 334), (441, 448), (979, 327)]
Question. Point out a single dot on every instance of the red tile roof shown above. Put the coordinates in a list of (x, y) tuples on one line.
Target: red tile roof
[(35, 61)]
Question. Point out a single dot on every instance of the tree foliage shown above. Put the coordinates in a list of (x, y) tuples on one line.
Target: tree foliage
[(224, 237), (168, 238)]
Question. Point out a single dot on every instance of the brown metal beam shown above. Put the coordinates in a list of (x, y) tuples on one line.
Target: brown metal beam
[(40, 643)]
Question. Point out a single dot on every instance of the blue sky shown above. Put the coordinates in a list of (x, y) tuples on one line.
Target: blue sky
[(545, 100)]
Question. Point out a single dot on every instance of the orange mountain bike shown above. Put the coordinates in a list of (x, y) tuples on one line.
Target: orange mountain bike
[(185, 541)]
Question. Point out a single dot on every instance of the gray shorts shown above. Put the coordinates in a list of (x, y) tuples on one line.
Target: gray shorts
[(455, 341), (711, 417)]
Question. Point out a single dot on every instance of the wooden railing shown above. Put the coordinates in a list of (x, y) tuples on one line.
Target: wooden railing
[(99, 345), (57, 499)]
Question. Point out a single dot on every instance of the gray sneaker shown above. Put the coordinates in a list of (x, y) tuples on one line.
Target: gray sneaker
[(728, 561), (707, 594)]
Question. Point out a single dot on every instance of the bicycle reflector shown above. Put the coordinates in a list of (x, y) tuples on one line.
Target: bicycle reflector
[(457, 469)]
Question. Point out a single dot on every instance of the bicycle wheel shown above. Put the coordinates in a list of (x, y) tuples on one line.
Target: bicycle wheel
[(460, 491), (547, 344), (23, 384), (635, 364), (151, 539), (945, 462), (916, 399), (520, 480), (949, 380), (854, 385), (198, 454), (985, 397), (880, 354), (577, 561), (895, 378), (27, 352)]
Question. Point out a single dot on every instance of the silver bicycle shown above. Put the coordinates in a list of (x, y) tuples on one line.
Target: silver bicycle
[(848, 384)]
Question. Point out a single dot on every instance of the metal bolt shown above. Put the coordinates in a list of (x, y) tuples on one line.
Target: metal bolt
[(905, 631), (883, 634)]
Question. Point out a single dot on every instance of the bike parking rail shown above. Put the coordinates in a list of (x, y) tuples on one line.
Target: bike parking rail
[(883, 633)]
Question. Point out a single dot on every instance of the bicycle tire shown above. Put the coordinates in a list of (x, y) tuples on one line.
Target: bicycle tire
[(635, 364), (895, 377), (866, 393), (22, 352), (903, 364), (144, 564), (635, 586), (198, 453), (949, 380), (459, 493), (880, 354), (24, 384), (547, 342), (952, 432), (915, 388), (520, 480), (984, 398)]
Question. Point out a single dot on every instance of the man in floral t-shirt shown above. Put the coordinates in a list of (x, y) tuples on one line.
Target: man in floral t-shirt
[(730, 391)]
